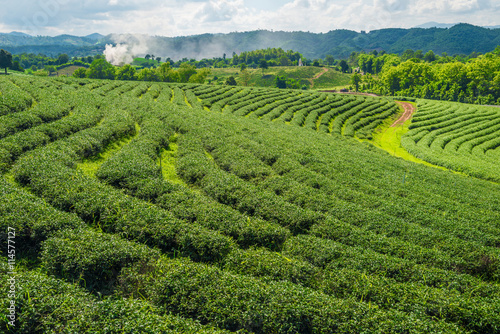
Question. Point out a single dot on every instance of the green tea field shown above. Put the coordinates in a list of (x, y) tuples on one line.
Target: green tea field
[(139, 207)]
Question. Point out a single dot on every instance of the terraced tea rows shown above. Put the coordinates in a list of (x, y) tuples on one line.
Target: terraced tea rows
[(460, 137), (343, 115), (257, 226)]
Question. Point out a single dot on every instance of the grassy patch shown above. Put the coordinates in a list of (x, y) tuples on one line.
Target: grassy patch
[(168, 160), (388, 139), (91, 165)]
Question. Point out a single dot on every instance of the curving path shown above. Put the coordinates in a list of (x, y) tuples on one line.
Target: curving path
[(409, 110)]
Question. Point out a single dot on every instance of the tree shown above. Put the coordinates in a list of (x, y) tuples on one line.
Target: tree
[(245, 77), (355, 81), (344, 67), (101, 69), (231, 81), (280, 81), (158, 59), (243, 67), (186, 71), (263, 65), (80, 73), (16, 66), (62, 59), (147, 74), (147, 57), (284, 61), (329, 60), (126, 72), (429, 56), (200, 76), (5, 59), (50, 68)]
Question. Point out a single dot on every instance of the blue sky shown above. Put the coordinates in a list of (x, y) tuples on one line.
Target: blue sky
[(179, 18)]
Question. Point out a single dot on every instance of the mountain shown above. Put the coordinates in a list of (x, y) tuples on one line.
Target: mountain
[(433, 24), (95, 36), (458, 39)]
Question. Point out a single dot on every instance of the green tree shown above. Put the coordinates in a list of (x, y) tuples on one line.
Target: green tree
[(126, 72), (356, 80), (167, 74), (245, 77), (329, 60), (284, 61), (231, 81), (101, 69), (200, 76), (429, 56), (80, 73), (5, 59), (344, 67), (147, 74), (50, 68), (263, 65), (16, 66), (186, 71), (243, 67), (62, 59), (280, 81)]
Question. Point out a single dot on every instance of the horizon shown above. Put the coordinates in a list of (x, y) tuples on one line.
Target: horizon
[(174, 18), (426, 25)]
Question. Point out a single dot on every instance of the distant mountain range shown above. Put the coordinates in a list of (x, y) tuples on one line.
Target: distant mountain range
[(433, 24), (457, 39)]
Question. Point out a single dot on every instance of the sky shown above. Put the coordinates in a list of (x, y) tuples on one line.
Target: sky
[(180, 18)]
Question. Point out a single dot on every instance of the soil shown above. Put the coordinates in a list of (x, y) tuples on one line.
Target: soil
[(409, 110)]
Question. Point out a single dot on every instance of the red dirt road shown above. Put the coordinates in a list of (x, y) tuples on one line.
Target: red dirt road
[(409, 110)]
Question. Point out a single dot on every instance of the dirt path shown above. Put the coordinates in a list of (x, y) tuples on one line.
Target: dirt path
[(317, 76), (409, 110)]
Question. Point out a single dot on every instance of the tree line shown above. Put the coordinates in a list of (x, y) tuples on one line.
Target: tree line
[(470, 79), (101, 69)]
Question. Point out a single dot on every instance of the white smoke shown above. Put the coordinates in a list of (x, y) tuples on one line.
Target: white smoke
[(127, 48), (118, 55)]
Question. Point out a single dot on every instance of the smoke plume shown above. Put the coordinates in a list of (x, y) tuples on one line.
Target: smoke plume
[(127, 47)]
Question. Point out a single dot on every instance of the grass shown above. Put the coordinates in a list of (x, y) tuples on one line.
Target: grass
[(91, 165), (167, 161), (388, 139)]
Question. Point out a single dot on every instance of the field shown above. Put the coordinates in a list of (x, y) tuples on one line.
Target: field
[(149, 207), (331, 79), (461, 137)]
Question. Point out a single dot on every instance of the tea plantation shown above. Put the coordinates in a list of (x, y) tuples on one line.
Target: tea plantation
[(164, 208)]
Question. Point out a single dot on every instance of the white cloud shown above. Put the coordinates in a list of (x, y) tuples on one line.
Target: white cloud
[(176, 17), (220, 10)]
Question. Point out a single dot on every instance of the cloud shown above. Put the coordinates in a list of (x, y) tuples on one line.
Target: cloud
[(220, 10), (176, 17)]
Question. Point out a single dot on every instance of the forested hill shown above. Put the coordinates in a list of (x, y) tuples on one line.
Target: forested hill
[(460, 39)]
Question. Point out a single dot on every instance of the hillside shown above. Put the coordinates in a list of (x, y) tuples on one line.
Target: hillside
[(311, 77), (459, 39), (146, 207)]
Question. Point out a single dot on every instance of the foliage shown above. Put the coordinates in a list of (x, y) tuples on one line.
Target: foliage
[(101, 69), (271, 218), (5, 59)]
